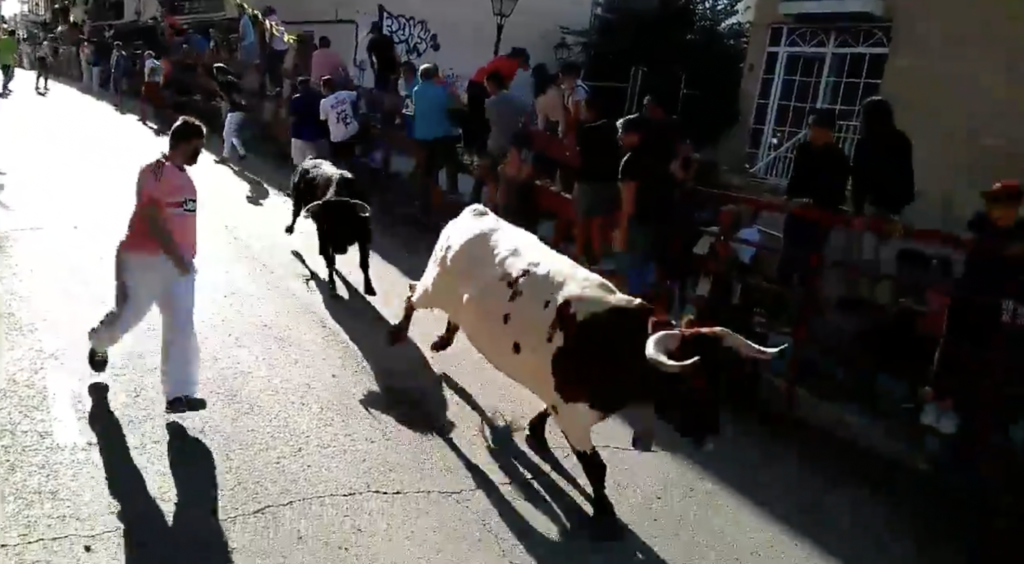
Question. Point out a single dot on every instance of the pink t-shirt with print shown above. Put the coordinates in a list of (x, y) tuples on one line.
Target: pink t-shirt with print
[(172, 189)]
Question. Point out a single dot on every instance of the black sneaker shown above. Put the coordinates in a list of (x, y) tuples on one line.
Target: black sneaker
[(98, 360), (185, 404)]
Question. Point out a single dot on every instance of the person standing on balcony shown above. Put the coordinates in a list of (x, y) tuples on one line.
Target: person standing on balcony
[(817, 185)]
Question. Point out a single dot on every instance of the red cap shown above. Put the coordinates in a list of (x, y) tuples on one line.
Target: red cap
[(1004, 191)]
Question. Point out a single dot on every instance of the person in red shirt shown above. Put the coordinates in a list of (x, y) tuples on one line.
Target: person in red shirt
[(476, 128)]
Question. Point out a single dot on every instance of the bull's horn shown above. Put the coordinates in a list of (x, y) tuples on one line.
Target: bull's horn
[(658, 347), (746, 348)]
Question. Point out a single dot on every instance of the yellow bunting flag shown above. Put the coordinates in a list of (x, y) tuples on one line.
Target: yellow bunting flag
[(275, 28)]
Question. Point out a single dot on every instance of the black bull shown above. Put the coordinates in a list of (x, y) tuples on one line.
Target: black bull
[(322, 190)]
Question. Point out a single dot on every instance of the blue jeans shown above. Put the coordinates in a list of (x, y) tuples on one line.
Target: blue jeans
[(637, 262), (249, 52)]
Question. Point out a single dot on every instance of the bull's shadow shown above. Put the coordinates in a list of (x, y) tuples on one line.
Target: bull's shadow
[(195, 533), (541, 491), (408, 389), (848, 502)]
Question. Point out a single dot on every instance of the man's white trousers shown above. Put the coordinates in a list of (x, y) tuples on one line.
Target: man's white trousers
[(232, 130), (142, 281)]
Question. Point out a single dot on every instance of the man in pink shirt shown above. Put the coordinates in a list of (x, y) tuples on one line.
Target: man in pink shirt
[(326, 62), (155, 266)]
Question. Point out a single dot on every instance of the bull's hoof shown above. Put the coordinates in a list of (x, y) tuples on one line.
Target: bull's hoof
[(441, 343), (397, 334), (606, 527), (98, 360), (538, 444), (643, 442), (332, 288), (289, 230), (369, 290)]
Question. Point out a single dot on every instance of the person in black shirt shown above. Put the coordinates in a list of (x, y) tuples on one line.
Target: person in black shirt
[(596, 195), (383, 59), (665, 128), (883, 162), (882, 173), (645, 184), (978, 373), (818, 182), (231, 92)]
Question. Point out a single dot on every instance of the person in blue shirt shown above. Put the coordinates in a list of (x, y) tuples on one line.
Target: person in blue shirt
[(308, 133), (435, 135), (197, 43), (248, 46)]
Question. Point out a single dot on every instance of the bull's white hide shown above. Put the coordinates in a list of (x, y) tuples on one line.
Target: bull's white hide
[(467, 275)]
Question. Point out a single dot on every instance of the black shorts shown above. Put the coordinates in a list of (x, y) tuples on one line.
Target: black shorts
[(438, 154), (343, 151), (42, 64)]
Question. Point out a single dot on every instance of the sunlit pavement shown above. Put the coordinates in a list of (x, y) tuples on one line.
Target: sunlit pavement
[(311, 463)]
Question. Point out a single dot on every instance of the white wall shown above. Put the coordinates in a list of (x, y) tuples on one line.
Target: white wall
[(458, 35)]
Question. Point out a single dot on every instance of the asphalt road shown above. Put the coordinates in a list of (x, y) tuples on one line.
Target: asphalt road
[(316, 446)]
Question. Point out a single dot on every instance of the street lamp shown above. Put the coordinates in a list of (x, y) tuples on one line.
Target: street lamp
[(502, 10), (563, 51)]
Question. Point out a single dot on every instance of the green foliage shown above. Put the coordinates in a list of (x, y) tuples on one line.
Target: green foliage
[(703, 40)]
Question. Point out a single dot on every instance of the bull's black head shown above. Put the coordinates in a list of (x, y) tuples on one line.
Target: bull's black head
[(690, 364), (345, 186)]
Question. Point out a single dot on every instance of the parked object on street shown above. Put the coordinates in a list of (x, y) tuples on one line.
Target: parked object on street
[(566, 334), (325, 193)]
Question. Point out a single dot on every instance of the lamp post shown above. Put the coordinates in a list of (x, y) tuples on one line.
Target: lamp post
[(502, 11), (563, 51)]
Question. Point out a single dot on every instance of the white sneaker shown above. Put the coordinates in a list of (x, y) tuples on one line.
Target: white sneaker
[(948, 423), (930, 415)]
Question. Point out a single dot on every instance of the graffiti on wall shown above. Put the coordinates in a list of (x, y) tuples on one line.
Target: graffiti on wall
[(412, 36)]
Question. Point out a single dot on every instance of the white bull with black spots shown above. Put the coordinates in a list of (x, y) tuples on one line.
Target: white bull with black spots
[(566, 334)]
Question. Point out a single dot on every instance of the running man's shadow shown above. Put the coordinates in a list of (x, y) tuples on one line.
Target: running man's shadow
[(194, 534)]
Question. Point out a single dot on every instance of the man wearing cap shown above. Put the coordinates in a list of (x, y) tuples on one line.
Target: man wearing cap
[(979, 370), (816, 186)]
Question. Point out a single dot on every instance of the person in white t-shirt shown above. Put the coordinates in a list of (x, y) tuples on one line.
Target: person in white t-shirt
[(338, 109), (277, 49)]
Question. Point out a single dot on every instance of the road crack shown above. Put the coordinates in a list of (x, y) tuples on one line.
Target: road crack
[(307, 499), (260, 510)]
